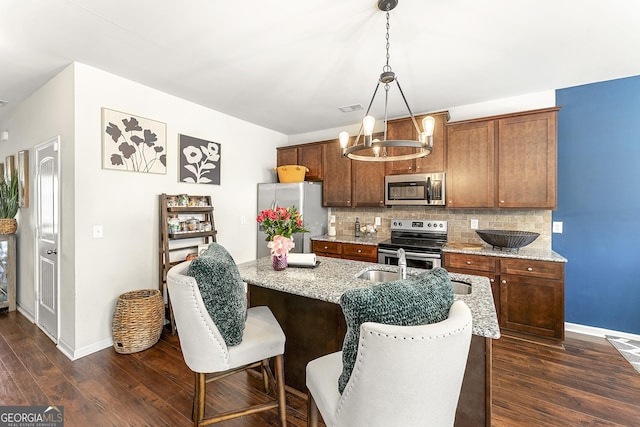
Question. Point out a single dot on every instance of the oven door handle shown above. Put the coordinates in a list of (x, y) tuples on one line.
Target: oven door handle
[(414, 255)]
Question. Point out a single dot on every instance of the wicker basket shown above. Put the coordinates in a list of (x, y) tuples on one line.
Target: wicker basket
[(137, 320), (8, 225)]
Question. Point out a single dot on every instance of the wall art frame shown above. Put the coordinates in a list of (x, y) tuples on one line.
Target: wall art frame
[(133, 143), (23, 178), (9, 167), (199, 160)]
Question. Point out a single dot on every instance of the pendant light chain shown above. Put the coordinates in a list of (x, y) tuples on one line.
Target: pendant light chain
[(387, 67)]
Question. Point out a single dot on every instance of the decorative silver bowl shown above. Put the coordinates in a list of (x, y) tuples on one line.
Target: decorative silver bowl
[(506, 239)]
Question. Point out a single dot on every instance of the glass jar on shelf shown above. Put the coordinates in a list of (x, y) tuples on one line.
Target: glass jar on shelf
[(183, 200), (174, 224), (193, 224), (193, 202), (203, 202), (172, 201), (205, 226)]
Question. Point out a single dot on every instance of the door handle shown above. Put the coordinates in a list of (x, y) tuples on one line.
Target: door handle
[(52, 251)]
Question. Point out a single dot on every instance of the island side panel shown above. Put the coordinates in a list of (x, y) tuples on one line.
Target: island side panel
[(474, 404), (313, 329)]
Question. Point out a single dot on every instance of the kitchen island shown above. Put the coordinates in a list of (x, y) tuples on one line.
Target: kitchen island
[(306, 303)]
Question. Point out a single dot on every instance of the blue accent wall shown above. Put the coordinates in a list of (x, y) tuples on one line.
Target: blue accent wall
[(599, 202)]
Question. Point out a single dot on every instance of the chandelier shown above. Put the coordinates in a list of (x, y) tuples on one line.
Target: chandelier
[(377, 147)]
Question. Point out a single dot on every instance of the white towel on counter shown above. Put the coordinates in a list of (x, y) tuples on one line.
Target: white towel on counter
[(301, 260)]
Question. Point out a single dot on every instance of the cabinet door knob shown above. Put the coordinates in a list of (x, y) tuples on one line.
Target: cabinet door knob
[(501, 201), (468, 262), (492, 280), (504, 282), (326, 247), (529, 269), (359, 250)]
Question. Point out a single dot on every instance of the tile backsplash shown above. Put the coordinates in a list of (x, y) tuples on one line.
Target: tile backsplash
[(459, 221)]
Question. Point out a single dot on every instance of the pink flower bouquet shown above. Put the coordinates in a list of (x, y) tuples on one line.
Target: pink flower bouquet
[(280, 245)]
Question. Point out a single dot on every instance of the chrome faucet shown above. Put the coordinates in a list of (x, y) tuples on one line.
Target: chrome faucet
[(402, 263)]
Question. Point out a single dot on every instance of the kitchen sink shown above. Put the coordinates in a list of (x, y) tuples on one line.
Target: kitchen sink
[(459, 288), (379, 275)]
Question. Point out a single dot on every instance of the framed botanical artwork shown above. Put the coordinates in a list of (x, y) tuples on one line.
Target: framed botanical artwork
[(199, 160), (133, 143), (23, 178), (9, 167)]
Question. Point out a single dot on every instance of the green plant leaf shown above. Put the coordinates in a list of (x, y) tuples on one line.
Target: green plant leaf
[(9, 196)]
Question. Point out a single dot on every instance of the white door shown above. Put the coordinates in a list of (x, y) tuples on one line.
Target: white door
[(47, 235)]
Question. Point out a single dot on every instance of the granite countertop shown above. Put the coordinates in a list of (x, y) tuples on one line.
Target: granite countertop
[(365, 239), (332, 277), (522, 253)]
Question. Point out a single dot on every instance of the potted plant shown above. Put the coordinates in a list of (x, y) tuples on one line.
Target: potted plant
[(9, 204)]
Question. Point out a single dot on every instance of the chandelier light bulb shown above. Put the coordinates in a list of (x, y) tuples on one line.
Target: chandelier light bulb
[(344, 139), (367, 124), (428, 123)]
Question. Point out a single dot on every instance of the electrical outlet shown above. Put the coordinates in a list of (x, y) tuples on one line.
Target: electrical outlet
[(557, 227), (98, 232), (332, 218), (377, 221), (474, 224), (243, 219)]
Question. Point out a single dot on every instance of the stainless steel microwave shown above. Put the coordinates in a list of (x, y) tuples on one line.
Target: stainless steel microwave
[(420, 189)]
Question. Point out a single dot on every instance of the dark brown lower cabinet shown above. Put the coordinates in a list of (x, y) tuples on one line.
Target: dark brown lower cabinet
[(315, 328), (528, 294), (354, 251)]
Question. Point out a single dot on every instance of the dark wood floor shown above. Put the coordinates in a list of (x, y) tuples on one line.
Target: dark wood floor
[(585, 384)]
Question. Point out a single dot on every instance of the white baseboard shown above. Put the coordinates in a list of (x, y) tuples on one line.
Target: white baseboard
[(598, 332), (26, 314), (84, 351)]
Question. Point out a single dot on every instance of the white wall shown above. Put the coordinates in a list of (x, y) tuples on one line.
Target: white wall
[(126, 203), (46, 114)]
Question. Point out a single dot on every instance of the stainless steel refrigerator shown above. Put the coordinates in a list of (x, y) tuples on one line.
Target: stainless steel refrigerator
[(307, 198)]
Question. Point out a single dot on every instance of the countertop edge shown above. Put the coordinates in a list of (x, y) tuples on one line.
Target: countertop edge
[(533, 254)]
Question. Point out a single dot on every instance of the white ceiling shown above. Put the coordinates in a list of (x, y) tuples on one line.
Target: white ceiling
[(288, 65)]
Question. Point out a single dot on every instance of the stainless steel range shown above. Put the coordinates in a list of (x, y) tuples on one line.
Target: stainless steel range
[(421, 240)]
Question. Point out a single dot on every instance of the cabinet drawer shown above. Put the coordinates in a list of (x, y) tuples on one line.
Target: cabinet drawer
[(532, 268), (359, 251), (470, 262), (323, 247)]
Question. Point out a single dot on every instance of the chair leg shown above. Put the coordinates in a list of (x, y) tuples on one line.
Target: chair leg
[(264, 367), (199, 396), (312, 411), (282, 400)]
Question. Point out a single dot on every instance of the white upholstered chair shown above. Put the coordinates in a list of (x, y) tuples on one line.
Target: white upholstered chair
[(205, 352), (403, 376)]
